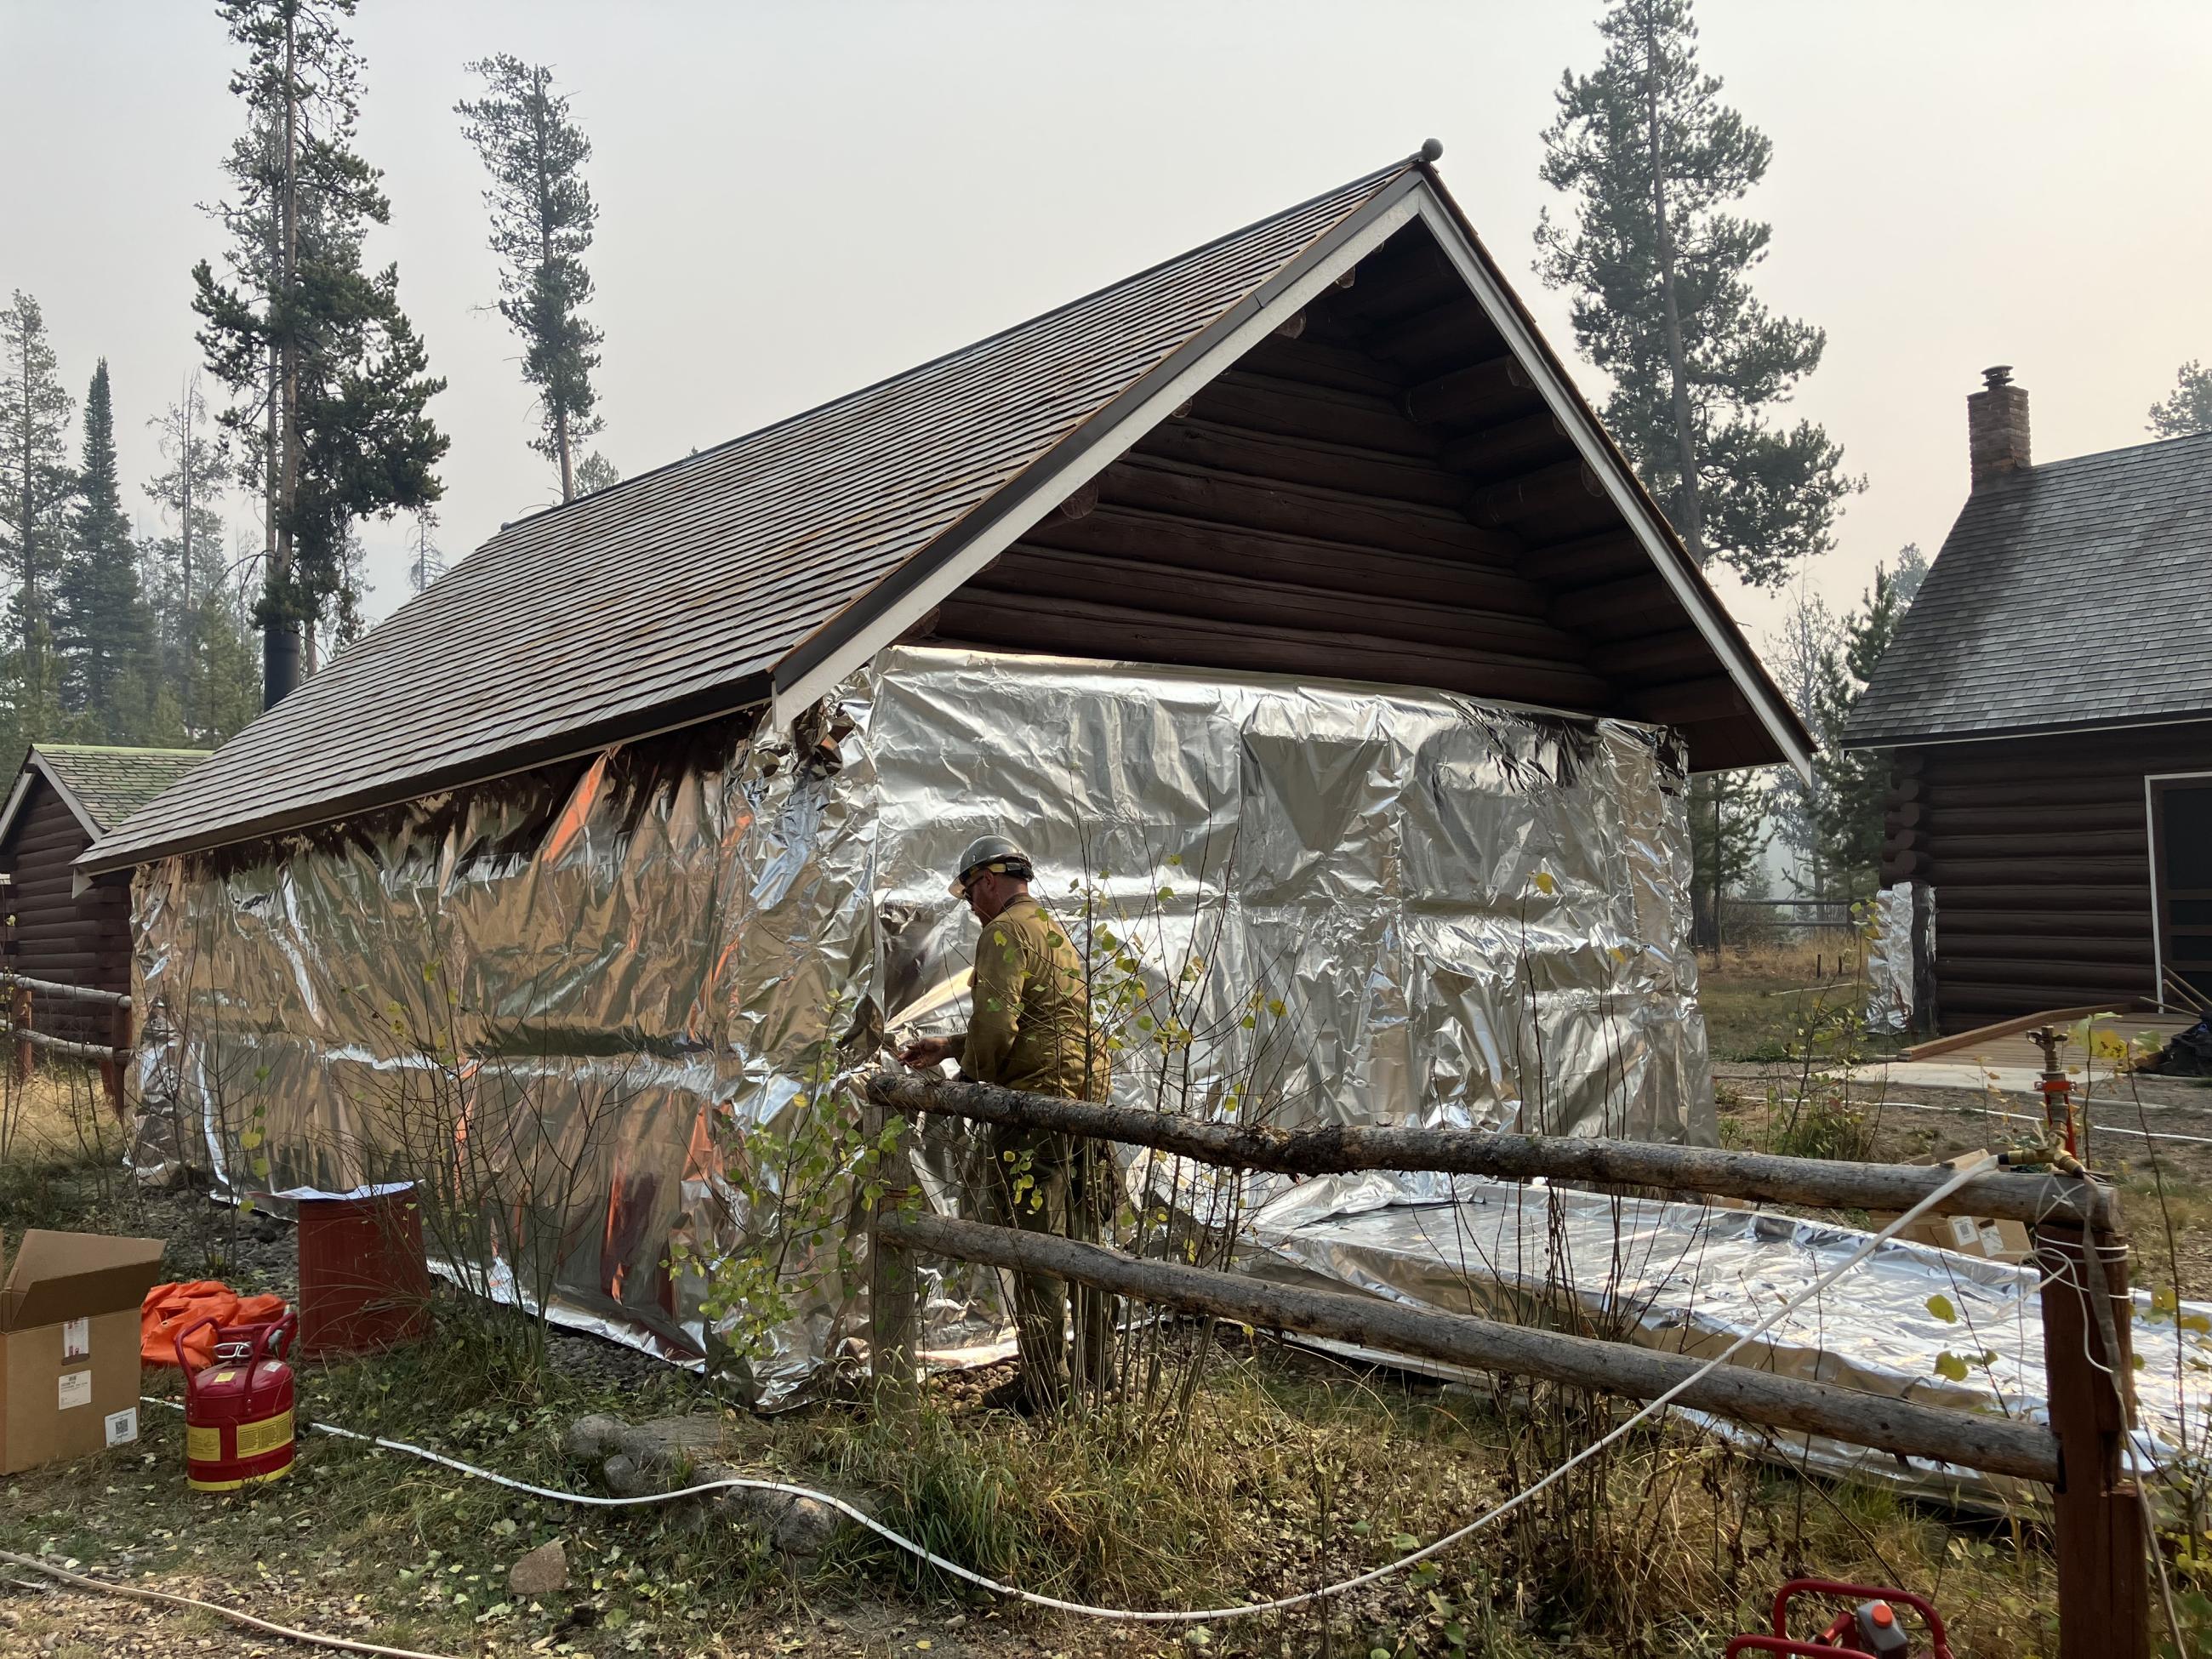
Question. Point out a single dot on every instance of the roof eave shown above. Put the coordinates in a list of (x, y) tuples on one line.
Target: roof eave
[(34, 760), (1860, 741), (1464, 247), (115, 852)]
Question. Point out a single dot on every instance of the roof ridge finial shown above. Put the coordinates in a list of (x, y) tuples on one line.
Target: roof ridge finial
[(1430, 152)]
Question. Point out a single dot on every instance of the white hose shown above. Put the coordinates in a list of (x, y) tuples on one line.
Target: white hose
[(1195, 1616), (136, 1593)]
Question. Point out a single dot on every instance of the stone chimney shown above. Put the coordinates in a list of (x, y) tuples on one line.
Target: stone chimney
[(1996, 427)]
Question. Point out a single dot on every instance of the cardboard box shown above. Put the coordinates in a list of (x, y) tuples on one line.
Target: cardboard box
[(69, 1344), (1969, 1235)]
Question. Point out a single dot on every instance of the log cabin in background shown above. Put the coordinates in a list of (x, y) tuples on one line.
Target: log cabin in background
[(2048, 705), (63, 927)]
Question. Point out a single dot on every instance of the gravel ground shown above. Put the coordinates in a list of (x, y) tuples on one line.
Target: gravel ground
[(1921, 1122)]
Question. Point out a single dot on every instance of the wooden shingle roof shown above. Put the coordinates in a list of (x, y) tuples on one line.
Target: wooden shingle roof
[(102, 785), (769, 568), (2068, 597)]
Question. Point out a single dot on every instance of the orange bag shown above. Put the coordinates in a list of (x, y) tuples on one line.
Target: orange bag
[(169, 1308)]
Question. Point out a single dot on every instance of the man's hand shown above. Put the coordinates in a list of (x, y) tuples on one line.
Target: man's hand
[(924, 1053)]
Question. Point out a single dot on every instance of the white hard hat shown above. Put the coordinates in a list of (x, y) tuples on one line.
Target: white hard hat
[(992, 852)]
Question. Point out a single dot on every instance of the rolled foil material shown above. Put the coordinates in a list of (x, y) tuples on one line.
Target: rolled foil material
[(1889, 962), (570, 1003)]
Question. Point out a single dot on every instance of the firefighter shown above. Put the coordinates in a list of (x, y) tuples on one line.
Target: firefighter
[(1029, 1029)]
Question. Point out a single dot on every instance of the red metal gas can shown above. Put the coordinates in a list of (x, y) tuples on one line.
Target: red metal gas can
[(238, 1412)]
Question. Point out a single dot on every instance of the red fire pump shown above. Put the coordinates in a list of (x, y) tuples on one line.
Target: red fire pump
[(238, 1412), (1868, 1629)]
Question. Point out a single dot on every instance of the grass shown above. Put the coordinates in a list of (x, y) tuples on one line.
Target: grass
[(1292, 1471), (1764, 1002)]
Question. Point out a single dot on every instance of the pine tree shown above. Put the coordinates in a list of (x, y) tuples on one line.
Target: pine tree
[(2190, 407), (430, 561), (1848, 818), (106, 638), (1729, 833), (36, 485), (181, 566), (331, 382), (596, 472), (1800, 655), (542, 218), (1661, 275)]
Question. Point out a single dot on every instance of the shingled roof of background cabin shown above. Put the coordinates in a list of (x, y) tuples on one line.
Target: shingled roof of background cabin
[(1445, 511), (2068, 596), (103, 786)]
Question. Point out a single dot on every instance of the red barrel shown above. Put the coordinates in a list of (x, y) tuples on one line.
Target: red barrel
[(364, 1283)]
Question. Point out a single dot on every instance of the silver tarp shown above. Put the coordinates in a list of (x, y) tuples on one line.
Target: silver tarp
[(1689, 1279), (597, 1008), (1889, 961), (593, 1009)]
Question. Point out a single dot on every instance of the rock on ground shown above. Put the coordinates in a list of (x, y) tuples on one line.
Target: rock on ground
[(669, 1453), (544, 1572)]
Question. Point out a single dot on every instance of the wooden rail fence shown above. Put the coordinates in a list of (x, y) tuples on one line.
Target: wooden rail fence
[(112, 1057), (2102, 1542)]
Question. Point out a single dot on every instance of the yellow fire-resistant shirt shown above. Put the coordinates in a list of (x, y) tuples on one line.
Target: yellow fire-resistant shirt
[(1031, 1029)]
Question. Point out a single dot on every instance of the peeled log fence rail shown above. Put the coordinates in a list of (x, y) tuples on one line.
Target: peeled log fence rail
[(2100, 1538), (111, 1059), (1994, 1443), (2002, 1196)]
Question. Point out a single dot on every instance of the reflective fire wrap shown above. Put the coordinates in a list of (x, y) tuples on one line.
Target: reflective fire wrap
[(571, 1002)]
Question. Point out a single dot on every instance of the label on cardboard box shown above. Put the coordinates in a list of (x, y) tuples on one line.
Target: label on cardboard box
[(77, 1339), (1992, 1241), (1964, 1234), (122, 1427), (76, 1389)]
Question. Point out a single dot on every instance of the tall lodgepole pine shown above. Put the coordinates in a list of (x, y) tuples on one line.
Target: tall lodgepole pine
[(331, 383), (542, 216), (36, 487), (1660, 271), (184, 564), (106, 638)]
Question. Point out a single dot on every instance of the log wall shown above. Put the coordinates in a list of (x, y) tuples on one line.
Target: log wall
[(2039, 851), (58, 935), (1377, 494)]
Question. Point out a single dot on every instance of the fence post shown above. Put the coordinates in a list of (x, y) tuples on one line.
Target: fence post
[(2103, 1592), (19, 1013), (113, 1068), (892, 1304)]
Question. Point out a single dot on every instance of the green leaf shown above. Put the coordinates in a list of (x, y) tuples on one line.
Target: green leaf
[(1942, 1308), (1949, 1364)]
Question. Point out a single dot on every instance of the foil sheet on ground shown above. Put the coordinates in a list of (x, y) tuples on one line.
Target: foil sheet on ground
[(594, 1011), (1690, 1279)]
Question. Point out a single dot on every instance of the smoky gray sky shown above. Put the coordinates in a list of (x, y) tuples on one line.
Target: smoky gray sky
[(796, 198)]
